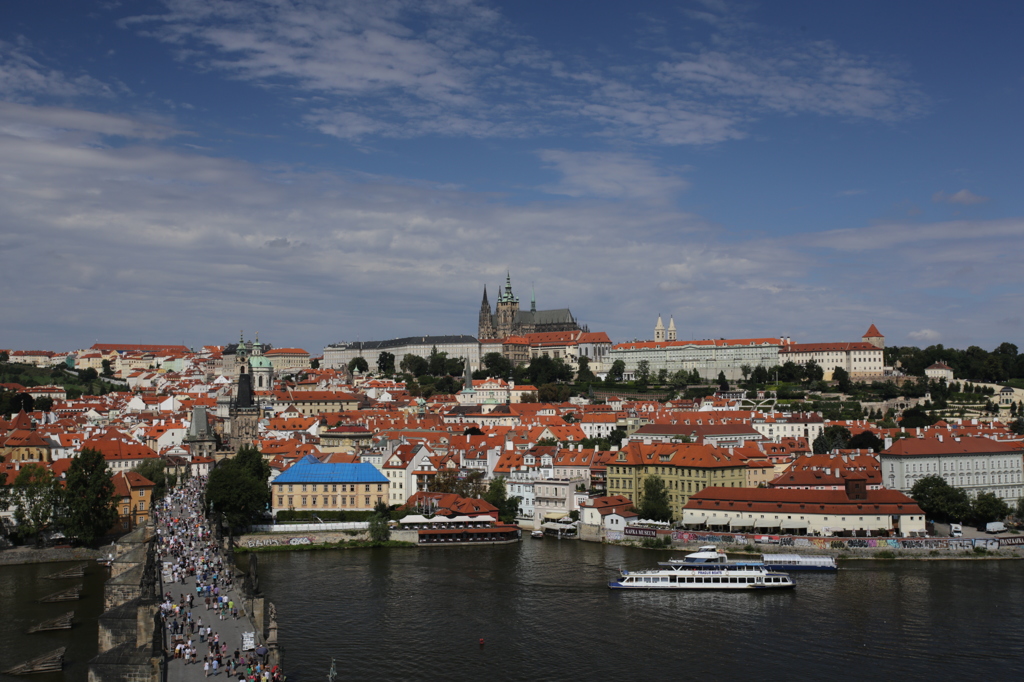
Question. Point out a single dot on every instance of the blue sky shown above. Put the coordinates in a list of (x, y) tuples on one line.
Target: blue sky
[(320, 171)]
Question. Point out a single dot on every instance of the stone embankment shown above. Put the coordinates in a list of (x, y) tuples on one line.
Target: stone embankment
[(30, 555)]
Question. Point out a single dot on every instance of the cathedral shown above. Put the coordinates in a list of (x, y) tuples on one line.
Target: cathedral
[(508, 320)]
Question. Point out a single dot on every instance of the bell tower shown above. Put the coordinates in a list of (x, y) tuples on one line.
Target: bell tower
[(485, 328)]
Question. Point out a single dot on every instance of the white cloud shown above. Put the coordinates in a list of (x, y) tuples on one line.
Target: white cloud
[(925, 335), (398, 68), (609, 175), (23, 78), (964, 197)]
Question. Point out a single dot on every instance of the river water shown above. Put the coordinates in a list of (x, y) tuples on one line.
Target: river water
[(21, 587), (544, 612)]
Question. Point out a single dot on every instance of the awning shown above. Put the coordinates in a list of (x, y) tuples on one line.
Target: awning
[(694, 518), (741, 523), (794, 525), (766, 523), (559, 526), (554, 516), (714, 520)]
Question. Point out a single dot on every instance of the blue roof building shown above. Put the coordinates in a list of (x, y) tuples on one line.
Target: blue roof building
[(310, 484)]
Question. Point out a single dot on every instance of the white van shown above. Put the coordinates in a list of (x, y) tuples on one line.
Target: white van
[(956, 530)]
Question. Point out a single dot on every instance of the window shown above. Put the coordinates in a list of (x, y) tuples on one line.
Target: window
[(303, 488), (367, 499), (280, 500), (142, 506), (291, 501), (334, 488), (126, 509), (303, 500), (142, 493)]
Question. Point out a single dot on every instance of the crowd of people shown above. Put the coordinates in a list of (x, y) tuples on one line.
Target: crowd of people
[(193, 565)]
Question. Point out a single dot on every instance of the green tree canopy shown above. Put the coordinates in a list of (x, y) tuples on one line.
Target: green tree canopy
[(618, 368), (35, 496), (386, 363), (358, 365), (497, 494), (940, 501), (90, 509), (916, 417), (654, 500), (414, 365), (237, 488), (990, 507), (497, 366), (584, 373), (866, 440), (832, 438)]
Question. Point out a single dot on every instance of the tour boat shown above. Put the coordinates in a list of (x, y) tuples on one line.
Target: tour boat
[(694, 576), (537, 535)]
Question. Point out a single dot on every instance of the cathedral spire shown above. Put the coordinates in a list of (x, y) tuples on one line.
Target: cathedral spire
[(533, 299)]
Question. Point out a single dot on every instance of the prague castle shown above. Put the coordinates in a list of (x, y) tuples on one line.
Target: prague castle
[(508, 320)]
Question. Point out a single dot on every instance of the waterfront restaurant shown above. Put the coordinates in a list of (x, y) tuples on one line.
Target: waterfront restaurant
[(459, 529), (788, 511)]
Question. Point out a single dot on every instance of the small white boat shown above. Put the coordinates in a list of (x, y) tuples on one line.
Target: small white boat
[(537, 534)]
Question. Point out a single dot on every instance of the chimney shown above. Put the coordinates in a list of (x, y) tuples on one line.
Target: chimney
[(856, 489), (888, 443), (939, 436)]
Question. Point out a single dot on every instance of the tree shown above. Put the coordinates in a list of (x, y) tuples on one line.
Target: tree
[(989, 507), (380, 527), (832, 438), (1017, 426), (386, 363), (88, 375), (866, 440), (723, 383), (813, 372), (643, 371), (745, 370), (617, 370), (497, 365), (314, 363), (107, 370), (4, 357), (654, 501), (237, 488), (358, 365), (90, 509), (414, 365), (156, 471), (916, 417), (617, 436), (584, 373), (35, 496), (553, 393), (437, 363), (1018, 512), (508, 507), (941, 501), (842, 379)]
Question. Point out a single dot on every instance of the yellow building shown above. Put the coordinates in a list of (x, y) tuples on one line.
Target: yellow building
[(686, 468), (134, 495), (311, 485)]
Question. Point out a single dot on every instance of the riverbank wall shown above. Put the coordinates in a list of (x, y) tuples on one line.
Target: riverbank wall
[(20, 556), (1012, 547)]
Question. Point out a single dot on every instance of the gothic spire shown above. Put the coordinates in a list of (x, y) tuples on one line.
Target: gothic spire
[(533, 299)]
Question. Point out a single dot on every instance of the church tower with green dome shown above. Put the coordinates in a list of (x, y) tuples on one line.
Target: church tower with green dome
[(261, 368)]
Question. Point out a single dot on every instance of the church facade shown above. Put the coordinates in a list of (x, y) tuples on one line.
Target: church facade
[(508, 320)]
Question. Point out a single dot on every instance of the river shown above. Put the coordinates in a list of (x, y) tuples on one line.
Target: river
[(544, 612), (21, 587)]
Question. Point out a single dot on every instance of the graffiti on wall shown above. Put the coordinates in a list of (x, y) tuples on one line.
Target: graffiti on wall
[(271, 542)]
